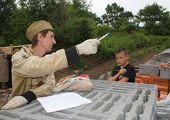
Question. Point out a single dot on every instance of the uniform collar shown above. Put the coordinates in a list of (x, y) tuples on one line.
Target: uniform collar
[(28, 50)]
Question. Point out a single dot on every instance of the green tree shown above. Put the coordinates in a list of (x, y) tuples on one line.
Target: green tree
[(166, 26), (115, 14), (154, 17), (5, 8), (79, 24), (64, 15), (30, 11), (18, 23), (79, 29)]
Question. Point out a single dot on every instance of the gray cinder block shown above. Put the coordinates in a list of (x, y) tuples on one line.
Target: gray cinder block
[(165, 73), (111, 101), (148, 69)]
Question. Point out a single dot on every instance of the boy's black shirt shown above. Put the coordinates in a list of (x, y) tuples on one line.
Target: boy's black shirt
[(130, 73)]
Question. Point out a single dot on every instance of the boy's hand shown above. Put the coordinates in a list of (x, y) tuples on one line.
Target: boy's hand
[(122, 71)]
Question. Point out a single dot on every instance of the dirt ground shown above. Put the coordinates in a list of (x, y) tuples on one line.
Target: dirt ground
[(96, 69)]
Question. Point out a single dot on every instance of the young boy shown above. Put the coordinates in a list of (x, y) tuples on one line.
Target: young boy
[(125, 72)]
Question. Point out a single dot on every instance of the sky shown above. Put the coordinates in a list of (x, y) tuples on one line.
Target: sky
[(98, 6)]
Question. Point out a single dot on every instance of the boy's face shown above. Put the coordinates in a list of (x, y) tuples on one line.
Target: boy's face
[(122, 59)]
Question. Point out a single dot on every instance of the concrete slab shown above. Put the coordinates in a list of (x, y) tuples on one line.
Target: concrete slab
[(111, 101)]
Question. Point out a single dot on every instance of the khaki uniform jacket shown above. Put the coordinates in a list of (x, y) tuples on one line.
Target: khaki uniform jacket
[(34, 73)]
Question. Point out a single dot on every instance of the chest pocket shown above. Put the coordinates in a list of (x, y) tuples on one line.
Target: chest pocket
[(37, 82)]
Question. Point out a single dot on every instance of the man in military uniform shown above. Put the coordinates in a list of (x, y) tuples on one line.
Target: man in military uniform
[(33, 71)]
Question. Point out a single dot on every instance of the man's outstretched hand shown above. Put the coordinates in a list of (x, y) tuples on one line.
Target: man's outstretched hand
[(88, 47), (15, 102)]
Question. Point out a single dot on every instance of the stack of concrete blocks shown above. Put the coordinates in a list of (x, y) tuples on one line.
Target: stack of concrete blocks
[(165, 73), (148, 69), (153, 65), (110, 101), (152, 73)]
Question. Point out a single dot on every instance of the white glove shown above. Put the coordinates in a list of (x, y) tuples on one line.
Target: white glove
[(88, 47), (15, 102)]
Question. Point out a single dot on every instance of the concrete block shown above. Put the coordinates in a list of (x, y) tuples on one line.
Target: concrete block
[(111, 101), (148, 69), (165, 73), (131, 116)]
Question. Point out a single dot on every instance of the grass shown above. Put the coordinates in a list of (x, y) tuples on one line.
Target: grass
[(132, 42), (137, 43)]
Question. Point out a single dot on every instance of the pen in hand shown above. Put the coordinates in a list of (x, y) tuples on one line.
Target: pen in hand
[(103, 36)]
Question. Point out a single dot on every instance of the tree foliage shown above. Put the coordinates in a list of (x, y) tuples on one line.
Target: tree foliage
[(5, 8), (117, 17), (154, 18), (5, 11), (73, 22), (60, 13)]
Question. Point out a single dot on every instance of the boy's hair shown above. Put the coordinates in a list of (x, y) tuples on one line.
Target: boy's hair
[(122, 50)]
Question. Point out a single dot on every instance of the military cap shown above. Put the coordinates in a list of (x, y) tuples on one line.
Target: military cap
[(37, 27)]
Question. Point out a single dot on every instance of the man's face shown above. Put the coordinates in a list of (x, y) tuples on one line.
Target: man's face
[(122, 59), (48, 41)]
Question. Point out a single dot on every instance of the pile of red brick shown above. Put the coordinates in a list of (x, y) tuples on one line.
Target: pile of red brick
[(163, 84)]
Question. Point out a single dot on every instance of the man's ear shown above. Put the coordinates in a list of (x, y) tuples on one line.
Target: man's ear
[(39, 36), (127, 56)]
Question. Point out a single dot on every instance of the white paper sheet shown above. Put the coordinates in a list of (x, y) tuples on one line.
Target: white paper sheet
[(62, 101)]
